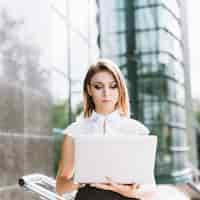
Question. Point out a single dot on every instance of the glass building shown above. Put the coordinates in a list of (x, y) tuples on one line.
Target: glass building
[(147, 39), (74, 46), (45, 48), (74, 35)]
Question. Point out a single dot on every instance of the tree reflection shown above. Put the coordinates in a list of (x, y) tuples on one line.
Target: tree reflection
[(20, 59), (24, 81), (10, 46)]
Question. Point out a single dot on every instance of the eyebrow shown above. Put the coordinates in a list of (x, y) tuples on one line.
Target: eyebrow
[(99, 82)]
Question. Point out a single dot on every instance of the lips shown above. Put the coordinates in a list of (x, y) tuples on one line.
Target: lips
[(106, 100)]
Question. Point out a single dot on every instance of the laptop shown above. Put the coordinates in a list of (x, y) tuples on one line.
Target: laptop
[(125, 159)]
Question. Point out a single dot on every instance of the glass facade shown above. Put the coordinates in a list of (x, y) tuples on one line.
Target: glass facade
[(161, 84), (45, 49), (149, 50), (74, 47), (25, 103)]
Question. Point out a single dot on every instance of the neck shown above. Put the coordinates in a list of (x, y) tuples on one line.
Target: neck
[(104, 112)]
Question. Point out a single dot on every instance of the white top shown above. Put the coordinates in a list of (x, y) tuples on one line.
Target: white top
[(111, 124)]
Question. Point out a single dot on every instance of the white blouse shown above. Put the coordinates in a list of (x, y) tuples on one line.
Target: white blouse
[(110, 124)]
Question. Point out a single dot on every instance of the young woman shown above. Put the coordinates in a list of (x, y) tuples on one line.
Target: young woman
[(106, 108)]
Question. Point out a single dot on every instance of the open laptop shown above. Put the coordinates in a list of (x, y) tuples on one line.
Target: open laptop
[(125, 159)]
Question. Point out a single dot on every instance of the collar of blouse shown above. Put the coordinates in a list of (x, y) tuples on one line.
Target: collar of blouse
[(106, 124), (111, 117)]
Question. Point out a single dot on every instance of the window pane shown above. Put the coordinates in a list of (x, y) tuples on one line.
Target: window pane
[(176, 92), (110, 21), (120, 23), (169, 44), (145, 18), (114, 44), (146, 41), (179, 137), (120, 3), (179, 72), (148, 59), (59, 43), (144, 2), (78, 66), (173, 6), (79, 24), (172, 67), (177, 115), (168, 21)]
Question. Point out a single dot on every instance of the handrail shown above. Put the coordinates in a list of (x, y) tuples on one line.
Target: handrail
[(42, 185)]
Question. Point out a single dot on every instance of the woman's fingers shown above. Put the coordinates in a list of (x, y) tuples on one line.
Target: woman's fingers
[(124, 189), (135, 185), (81, 185), (103, 186), (110, 185), (111, 182)]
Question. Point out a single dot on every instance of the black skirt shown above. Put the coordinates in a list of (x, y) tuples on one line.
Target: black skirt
[(92, 193)]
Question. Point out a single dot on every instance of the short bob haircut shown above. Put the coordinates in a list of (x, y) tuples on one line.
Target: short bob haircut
[(106, 65)]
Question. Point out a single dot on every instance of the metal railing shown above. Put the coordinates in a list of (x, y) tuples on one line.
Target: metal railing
[(43, 186)]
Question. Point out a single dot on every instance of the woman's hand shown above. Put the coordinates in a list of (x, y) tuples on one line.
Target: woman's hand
[(142, 192), (127, 190)]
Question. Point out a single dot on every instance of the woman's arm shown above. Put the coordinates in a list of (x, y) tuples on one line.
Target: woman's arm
[(64, 182), (147, 192), (141, 192)]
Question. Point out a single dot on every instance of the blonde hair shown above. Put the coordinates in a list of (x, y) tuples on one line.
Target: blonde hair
[(106, 65)]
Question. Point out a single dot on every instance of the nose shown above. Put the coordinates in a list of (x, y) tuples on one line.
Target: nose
[(105, 91)]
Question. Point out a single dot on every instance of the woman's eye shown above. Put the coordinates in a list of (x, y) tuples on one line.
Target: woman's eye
[(114, 86), (97, 87)]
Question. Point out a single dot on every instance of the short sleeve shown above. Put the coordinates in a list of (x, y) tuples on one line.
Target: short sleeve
[(133, 126), (72, 129), (141, 129)]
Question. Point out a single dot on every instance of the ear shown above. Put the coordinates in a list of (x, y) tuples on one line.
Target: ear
[(89, 90)]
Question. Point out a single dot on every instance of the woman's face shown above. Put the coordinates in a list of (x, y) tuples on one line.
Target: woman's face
[(104, 91)]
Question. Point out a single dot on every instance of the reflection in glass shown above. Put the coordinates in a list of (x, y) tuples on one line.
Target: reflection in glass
[(173, 6), (168, 21), (121, 25), (145, 18), (59, 42), (169, 44), (25, 118), (144, 2), (74, 47), (146, 40), (115, 44)]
